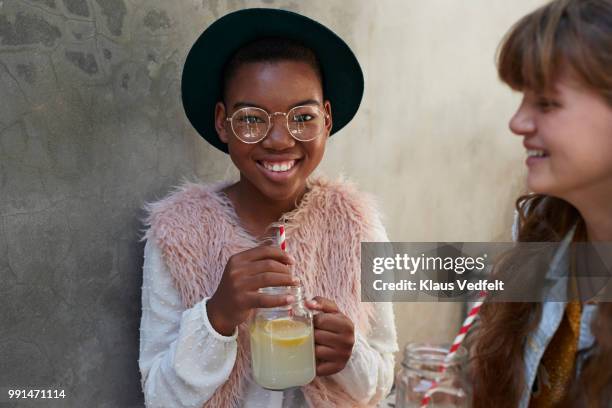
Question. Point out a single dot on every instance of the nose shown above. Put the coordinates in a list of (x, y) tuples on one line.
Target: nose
[(278, 137), (522, 122)]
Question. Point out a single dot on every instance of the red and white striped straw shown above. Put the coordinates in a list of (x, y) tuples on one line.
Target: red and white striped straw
[(467, 324), (282, 243), (465, 327), (280, 237)]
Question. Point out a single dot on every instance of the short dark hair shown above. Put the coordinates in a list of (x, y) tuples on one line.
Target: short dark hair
[(269, 49)]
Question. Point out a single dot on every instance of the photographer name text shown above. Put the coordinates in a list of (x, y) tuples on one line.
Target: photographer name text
[(431, 285)]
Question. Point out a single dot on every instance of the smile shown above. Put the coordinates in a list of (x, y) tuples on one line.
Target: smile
[(278, 167), (279, 171), (536, 153)]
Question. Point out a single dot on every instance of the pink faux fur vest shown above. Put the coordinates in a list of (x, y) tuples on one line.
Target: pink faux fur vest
[(197, 231)]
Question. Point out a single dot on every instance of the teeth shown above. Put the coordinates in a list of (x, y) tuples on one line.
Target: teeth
[(535, 153), (279, 166)]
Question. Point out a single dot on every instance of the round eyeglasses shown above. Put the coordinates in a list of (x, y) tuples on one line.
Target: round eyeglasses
[(304, 123)]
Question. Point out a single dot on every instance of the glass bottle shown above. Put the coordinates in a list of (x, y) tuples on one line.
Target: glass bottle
[(425, 371), (282, 342)]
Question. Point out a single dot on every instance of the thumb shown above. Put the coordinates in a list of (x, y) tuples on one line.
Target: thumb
[(322, 304)]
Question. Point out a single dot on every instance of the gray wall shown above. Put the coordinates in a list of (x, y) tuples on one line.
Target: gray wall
[(91, 127)]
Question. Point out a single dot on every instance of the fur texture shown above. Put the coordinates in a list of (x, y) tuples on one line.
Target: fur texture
[(197, 230)]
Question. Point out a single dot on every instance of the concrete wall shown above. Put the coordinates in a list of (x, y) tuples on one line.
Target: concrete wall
[(91, 126), (437, 150)]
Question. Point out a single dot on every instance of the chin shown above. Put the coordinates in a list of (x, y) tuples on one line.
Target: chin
[(537, 188), (550, 188), (540, 183)]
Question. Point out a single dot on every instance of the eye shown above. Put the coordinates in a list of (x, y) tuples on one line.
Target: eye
[(304, 117), (546, 104), (250, 119)]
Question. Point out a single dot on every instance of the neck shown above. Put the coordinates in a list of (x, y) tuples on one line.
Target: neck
[(595, 207), (257, 211), (599, 226)]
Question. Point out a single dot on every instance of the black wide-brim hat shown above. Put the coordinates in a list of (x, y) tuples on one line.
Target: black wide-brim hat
[(201, 82)]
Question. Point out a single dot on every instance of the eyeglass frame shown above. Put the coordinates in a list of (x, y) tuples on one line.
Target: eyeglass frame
[(270, 124)]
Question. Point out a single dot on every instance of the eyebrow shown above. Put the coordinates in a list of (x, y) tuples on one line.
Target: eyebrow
[(245, 104)]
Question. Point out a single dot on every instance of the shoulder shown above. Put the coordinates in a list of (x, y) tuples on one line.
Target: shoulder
[(340, 192), (186, 205), (341, 201)]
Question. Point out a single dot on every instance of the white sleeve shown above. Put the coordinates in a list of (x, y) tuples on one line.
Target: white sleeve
[(368, 375), (183, 360)]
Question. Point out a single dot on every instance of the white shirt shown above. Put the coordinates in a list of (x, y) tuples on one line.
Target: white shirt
[(183, 360)]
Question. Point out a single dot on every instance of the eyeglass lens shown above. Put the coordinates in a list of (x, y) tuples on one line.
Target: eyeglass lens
[(304, 123)]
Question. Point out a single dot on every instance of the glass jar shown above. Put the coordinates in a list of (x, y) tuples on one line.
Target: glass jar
[(425, 372), (282, 342)]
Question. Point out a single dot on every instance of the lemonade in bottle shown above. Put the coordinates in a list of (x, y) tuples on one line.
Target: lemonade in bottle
[(282, 342)]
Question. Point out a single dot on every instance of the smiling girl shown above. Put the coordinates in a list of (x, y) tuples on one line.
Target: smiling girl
[(531, 354), (269, 87)]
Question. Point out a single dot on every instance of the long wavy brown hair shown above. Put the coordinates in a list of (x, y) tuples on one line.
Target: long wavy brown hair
[(575, 34)]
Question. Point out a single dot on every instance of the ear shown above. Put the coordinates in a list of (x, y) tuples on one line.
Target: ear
[(221, 124), (329, 123)]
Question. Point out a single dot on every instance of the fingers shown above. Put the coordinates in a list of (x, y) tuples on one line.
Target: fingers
[(334, 340), (333, 355), (333, 322), (324, 353), (266, 279), (329, 360), (267, 252), (266, 265), (325, 368), (322, 304)]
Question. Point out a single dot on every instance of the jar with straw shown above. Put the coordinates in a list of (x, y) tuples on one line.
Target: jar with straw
[(428, 375), (282, 339)]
